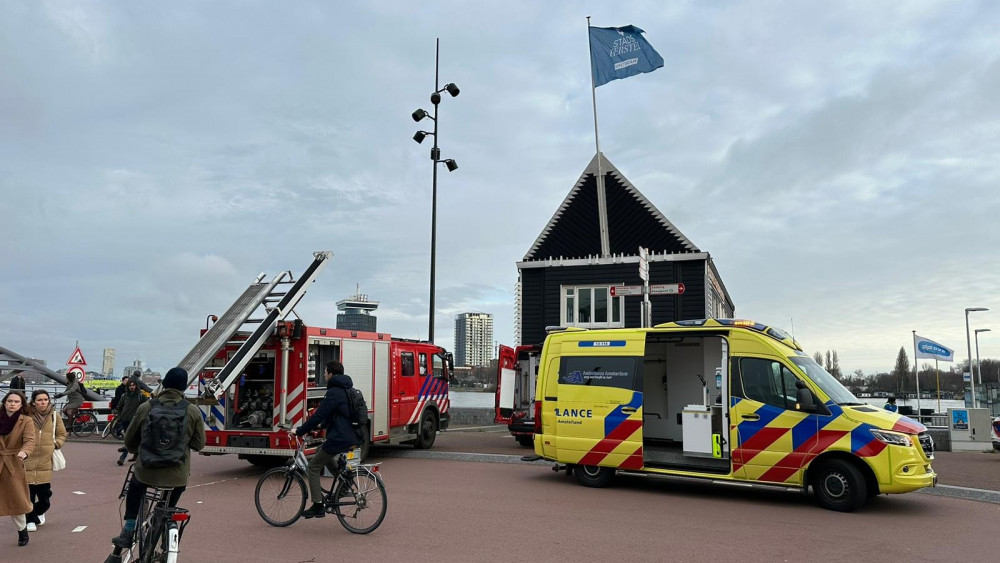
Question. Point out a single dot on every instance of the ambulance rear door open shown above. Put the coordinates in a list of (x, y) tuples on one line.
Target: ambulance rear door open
[(685, 402)]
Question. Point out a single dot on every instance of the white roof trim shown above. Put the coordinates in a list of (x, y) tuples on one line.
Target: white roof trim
[(608, 260)]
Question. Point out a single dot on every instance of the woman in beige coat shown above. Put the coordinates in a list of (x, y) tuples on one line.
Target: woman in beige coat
[(17, 441), (50, 435)]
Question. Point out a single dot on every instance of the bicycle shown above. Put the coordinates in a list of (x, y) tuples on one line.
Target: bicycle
[(359, 502), (84, 423), (159, 527), (112, 428)]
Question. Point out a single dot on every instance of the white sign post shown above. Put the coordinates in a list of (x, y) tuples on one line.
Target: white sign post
[(647, 313)]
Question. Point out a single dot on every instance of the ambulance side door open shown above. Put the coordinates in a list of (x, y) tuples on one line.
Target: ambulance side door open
[(776, 435)]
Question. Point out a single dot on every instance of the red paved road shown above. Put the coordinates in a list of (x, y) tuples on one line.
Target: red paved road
[(465, 511)]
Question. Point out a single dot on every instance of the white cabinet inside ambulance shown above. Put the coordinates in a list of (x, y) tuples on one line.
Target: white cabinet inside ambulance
[(721, 400)]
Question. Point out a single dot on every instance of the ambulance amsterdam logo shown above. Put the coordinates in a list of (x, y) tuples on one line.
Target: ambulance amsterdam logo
[(574, 377)]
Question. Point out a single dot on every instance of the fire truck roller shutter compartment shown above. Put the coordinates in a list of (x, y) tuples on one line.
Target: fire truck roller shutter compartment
[(359, 364)]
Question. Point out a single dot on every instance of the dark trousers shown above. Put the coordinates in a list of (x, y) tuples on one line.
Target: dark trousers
[(40, 495), (317, 462), (136, 492)]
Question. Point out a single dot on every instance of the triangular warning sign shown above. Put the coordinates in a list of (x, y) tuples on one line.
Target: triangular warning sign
[(77, 358)]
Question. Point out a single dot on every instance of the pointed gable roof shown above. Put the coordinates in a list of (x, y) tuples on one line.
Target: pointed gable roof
[(633, 221)]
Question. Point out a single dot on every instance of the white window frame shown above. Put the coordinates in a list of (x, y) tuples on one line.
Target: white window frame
[(568, 291)]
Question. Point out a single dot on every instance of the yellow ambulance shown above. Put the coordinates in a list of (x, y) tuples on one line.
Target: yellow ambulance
[(721, 400)]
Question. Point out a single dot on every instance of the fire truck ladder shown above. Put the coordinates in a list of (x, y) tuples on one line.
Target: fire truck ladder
[(277, 306)]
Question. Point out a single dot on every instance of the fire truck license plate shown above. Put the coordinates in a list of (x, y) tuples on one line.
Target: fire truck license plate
[(353, 457)]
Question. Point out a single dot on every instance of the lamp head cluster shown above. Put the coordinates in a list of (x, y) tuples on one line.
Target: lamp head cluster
[(419, 114)]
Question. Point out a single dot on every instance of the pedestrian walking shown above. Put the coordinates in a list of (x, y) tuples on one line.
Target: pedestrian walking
[(74, 396), (50, 435), (128, 404), (17, 382), (17, 441)]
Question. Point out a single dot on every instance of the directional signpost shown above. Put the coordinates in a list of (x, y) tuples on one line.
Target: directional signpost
[(666, 289), (625, 290)]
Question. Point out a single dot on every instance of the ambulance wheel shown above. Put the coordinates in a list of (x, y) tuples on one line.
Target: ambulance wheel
[(427, 432), (840, 486), (593, 476), (526, 440)]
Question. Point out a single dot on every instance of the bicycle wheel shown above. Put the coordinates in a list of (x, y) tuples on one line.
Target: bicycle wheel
[(84, 424), (280, 496), (108, 429), (361, 503)]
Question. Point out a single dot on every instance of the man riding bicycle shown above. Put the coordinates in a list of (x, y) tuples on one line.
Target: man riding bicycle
[(335, 412), (163, 433)]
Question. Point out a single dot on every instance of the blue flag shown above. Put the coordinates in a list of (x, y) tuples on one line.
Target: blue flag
[(620, 52)]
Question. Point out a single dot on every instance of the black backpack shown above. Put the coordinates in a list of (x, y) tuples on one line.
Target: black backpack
[(164, 435), (358, 409)]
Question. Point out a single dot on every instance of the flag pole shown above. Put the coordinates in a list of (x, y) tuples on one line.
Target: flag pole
[(916, 372), (938, 371), (602, 206)]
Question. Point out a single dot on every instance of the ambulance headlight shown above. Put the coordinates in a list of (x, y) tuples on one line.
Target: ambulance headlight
[(893, 438)]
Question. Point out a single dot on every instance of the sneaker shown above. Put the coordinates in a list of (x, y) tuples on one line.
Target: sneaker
[(22, 538), (315, 511), (31, 527), (41, 519), (121, 462)]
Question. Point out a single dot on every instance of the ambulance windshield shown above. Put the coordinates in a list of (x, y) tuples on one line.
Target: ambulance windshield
[(828, 383)]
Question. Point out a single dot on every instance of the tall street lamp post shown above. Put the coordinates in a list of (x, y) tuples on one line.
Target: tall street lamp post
[(419, 136), (979, 366), (968, 344)]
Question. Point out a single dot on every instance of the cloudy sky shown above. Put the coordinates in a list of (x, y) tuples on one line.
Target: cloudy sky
[(838, 161)]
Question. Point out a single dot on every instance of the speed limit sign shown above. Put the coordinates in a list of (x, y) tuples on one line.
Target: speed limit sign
[(78, 372)]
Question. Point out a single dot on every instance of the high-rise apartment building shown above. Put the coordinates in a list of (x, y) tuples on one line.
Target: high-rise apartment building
[(108, 367), (473, 339)]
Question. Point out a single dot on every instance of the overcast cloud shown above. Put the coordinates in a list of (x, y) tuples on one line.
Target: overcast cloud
[(838, 161)]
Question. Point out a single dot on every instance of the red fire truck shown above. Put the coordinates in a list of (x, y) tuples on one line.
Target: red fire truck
[(256, 384), (517, 370)]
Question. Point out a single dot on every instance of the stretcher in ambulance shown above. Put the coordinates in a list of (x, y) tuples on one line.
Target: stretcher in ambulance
[(722, 400)]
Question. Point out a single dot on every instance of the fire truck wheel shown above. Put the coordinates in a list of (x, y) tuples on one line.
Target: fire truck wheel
[(266, 461), (427, 432), (840, 486), (593, 476)]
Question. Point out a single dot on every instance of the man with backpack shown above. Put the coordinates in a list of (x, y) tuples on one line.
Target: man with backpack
[(163, 432), (335, 413)]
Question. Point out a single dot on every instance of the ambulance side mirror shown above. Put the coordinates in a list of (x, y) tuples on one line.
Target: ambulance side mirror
[(804, 397)]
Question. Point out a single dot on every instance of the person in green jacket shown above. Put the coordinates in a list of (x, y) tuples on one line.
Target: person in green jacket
[(128, 406), (146, 474)]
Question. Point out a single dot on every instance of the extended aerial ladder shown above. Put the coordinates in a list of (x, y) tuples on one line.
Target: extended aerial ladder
[(276, 304)]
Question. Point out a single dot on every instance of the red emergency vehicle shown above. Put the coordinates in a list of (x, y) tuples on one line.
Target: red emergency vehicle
[(405, 383), (517, 371), (257, 377)]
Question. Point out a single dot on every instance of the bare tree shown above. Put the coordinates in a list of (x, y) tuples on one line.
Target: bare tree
[(834, 365), (902, 368), (818, 357)]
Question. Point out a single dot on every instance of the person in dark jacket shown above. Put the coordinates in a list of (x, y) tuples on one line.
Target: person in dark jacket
[(128, 404), (17, 382), (335, 412), (172, 393), (119, 391)]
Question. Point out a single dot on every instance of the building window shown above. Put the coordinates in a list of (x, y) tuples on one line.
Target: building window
[(591, 306)]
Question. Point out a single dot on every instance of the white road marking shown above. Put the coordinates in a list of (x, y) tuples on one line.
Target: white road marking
[(79, 493), (78, 529)]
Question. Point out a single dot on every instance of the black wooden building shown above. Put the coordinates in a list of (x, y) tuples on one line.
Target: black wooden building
[(592, 243)]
